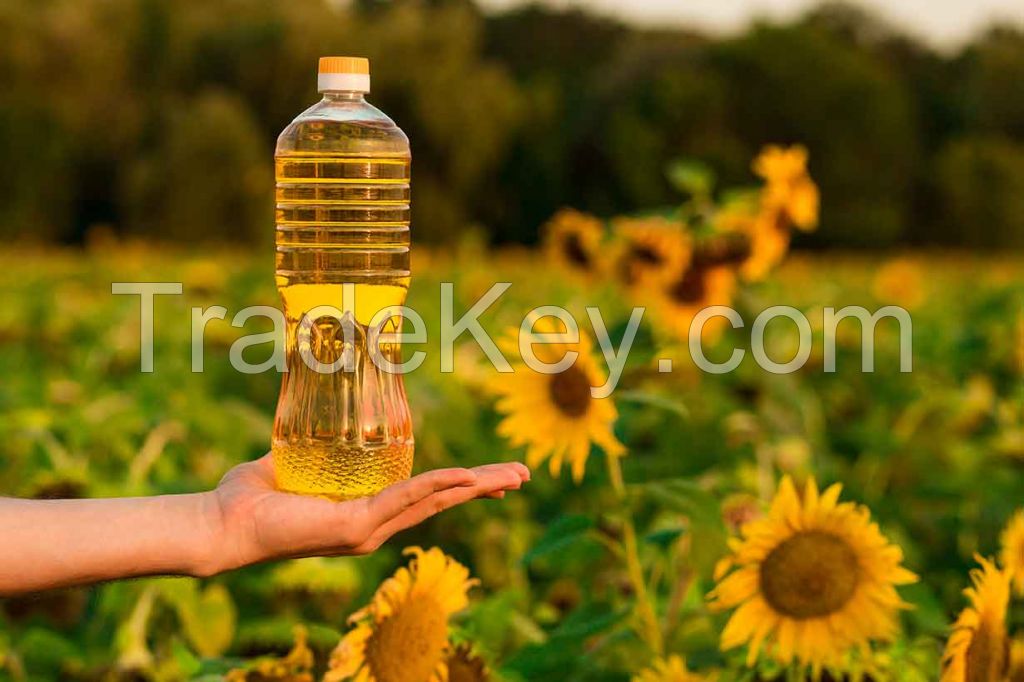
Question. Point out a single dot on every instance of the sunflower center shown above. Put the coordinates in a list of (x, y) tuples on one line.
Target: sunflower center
[(690, 288), (782, 220), (574, 252), (409, 644), (809, 575), (638, 255), (987, 656), (570, 391), (730, 249), (646, 255)]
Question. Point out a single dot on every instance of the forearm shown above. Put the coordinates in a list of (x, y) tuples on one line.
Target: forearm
[(58, 543)]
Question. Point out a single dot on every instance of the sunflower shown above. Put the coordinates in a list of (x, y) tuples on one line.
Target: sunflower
[(811, 580), (703, 284), (650, 250), (761, 237), (403, 633), (977, 650), (789, 197), (671, 669), (1012, 556), (555, 415), (788, 190), (573, 239), (769, 238)]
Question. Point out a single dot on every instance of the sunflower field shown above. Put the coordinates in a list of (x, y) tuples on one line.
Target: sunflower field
[(749, 525)]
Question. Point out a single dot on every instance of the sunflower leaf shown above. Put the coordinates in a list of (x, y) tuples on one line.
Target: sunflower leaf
[(706, 529), (683, 496), (654, 400), (664, 537), (186, 661), (563, 532), (588, 620)]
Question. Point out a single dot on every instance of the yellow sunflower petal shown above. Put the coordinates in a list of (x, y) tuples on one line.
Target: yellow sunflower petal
[(408, 613), (978, 647), (810, 581), (555, 416)]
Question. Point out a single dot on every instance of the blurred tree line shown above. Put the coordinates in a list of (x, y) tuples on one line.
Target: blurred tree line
[(158, 117)]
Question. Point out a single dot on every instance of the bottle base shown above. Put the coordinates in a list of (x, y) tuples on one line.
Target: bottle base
[(340, 473)]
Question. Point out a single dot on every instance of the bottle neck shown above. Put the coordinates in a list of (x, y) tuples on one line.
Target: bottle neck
[(343, 95)]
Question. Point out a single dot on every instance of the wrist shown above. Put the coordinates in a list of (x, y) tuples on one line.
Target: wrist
[(211, 553)]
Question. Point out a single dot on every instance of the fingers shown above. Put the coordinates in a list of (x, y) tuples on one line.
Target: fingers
[(518, 468), (397, 498), (492, 480)]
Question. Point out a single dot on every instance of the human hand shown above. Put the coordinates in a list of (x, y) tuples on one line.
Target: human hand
[(253, 521)]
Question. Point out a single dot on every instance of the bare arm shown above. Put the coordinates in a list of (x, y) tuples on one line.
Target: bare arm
[(57, 543), (54, 543)]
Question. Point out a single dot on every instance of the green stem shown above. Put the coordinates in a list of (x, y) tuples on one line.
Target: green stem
[(645, 610)]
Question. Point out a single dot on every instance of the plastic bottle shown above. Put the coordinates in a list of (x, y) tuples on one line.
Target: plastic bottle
[(342, 172)]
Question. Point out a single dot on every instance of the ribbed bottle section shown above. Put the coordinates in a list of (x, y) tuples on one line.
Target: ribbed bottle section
[(342, 218)]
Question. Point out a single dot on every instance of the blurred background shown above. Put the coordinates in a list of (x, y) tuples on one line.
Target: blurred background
[(157, 118), (136, 144)]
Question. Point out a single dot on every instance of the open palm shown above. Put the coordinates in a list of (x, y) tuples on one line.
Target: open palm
[(259, 522)]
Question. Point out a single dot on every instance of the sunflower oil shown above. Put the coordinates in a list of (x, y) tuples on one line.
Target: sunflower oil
[(342, 214)]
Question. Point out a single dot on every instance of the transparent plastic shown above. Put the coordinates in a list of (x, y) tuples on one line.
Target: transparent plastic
[(342, 214)]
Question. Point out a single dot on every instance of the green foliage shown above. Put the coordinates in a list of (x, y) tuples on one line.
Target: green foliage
[(560, 534), (157, 117), (205, 175), (935, 455), (207, 617)]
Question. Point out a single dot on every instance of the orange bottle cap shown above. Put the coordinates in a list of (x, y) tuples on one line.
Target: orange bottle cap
[(345, 65), (344, 74)]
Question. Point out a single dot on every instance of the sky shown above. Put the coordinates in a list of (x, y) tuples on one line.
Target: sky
[(944, 23)]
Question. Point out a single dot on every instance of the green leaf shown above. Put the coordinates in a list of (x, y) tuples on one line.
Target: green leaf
[(928, 614), (737, 197), (279, 633), (643, 348), (565, 531), (654, 400), (566, 653), (586, 621), (319, 575), (46, 653), (552, 661), (701, 508), (691, 177), (494, 623), (664, 537), (685, 497), (187, 662), (207, 618)]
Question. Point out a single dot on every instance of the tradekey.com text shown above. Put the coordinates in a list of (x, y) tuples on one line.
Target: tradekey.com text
[(376, 336)]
